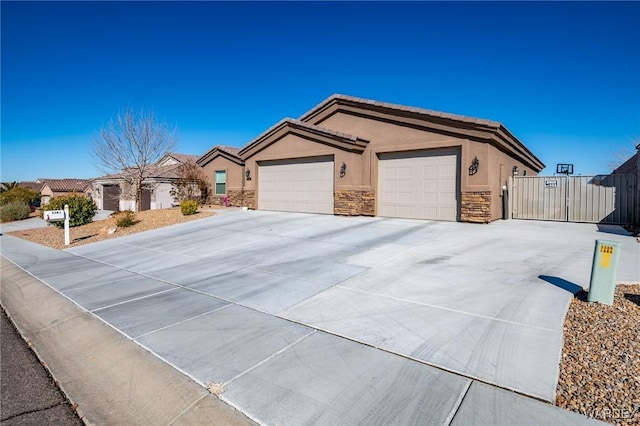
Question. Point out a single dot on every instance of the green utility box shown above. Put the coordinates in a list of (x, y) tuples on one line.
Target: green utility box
[(603, 272)]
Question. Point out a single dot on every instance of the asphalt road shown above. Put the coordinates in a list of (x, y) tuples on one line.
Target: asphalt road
[(28, 394)]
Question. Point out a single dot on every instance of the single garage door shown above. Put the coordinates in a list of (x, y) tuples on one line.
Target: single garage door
[(111, 197), (301, 186), (419, 185)]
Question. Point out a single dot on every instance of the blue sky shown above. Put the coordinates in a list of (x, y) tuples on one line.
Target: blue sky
[(563, 77)]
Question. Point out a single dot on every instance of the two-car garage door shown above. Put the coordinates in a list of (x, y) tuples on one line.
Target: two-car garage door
[(304, 185), (414, 185), (419, 185)]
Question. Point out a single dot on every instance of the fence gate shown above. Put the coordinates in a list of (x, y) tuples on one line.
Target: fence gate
[(596, 199)]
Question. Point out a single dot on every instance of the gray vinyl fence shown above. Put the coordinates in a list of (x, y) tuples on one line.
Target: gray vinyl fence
[(597, 199)]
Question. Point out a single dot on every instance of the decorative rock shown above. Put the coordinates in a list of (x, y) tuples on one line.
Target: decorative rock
[(600, 363)]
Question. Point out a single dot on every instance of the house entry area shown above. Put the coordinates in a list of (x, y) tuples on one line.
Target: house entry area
[(419, 185), (302, 185)]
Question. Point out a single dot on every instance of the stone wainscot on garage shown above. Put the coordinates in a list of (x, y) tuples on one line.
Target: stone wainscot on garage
[(352, 156)]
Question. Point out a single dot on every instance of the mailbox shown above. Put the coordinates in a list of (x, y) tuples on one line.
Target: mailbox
[(603, 272), (54, 215)]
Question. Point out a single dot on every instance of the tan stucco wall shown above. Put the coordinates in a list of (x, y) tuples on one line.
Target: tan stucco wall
[(235, 173), (389, 137), (46, 191), (292, 146)]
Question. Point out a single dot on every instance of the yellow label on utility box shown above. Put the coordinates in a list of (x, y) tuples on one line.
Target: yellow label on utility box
[(605, 256)]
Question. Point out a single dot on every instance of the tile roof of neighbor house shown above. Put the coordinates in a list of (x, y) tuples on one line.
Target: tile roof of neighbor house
[(183, 158), (291, 122), (159, 172), (68, 185), (34, 186)]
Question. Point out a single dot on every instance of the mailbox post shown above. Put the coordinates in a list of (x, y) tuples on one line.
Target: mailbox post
[(59, 216), (67, 239)]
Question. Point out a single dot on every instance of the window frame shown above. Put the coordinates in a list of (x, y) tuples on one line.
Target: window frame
[(216, 183)]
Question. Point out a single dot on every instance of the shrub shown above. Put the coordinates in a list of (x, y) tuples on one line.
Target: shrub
[(125, 219), (188, 207), (24, 195), (81, 209), (15, 210)]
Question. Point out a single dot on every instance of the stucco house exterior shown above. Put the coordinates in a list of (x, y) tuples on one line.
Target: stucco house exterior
[(225, 171), (112, 192), (58, 187), (353, 156)]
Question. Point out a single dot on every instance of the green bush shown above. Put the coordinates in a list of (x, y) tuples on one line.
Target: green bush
[(15, 210), (125, 219), (24, 195), (81, 209), (188, 207)]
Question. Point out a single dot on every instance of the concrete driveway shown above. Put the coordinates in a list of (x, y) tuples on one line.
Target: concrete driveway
[(296, 318)]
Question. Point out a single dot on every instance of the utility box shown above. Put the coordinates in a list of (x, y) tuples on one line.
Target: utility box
[(603, 272)]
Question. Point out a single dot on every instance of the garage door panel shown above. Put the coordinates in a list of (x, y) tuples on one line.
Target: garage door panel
[(298, 187), (422, 185)]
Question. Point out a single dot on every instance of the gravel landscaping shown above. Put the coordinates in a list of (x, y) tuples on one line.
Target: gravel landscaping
[(53, 237), (600, 365)]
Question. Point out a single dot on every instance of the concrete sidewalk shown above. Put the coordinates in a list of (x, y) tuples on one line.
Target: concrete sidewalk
[(212, 322), (36, 222), (110, 378)]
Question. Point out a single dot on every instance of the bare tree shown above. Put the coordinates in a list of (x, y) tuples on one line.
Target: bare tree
[(131, 145), (623, 153), (192, 183)]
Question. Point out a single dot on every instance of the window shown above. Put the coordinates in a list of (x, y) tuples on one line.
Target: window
[(221, 182)]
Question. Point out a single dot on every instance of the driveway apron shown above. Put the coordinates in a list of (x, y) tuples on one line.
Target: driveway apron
[(296, 318)]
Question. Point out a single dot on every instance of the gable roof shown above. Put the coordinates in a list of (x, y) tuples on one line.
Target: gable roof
[(67, 185), (228, 152), (469, 127), (306, 130)]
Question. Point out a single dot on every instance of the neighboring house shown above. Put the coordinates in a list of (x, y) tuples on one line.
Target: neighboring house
[(111, 192), (632, 167), (352, 156), (34, 186), (59, 187)]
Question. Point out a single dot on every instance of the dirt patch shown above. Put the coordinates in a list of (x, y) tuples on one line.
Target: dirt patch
[(53, 237), (600, 365)]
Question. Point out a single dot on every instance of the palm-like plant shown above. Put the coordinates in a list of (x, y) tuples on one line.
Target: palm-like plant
[(5, 186)]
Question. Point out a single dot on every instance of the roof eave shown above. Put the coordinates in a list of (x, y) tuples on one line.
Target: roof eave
[(217, 152), (288, 126)]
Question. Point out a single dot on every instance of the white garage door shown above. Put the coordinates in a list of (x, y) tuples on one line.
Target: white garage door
[(419, 185), (304, 186)]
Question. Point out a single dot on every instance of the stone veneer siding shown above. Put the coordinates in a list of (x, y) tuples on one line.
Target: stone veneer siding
[(249, 198), (236, 197), (216, 200), (354, 203), (475, 207)]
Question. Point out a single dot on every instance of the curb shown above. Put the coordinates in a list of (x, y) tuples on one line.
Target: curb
[(110, 378)]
